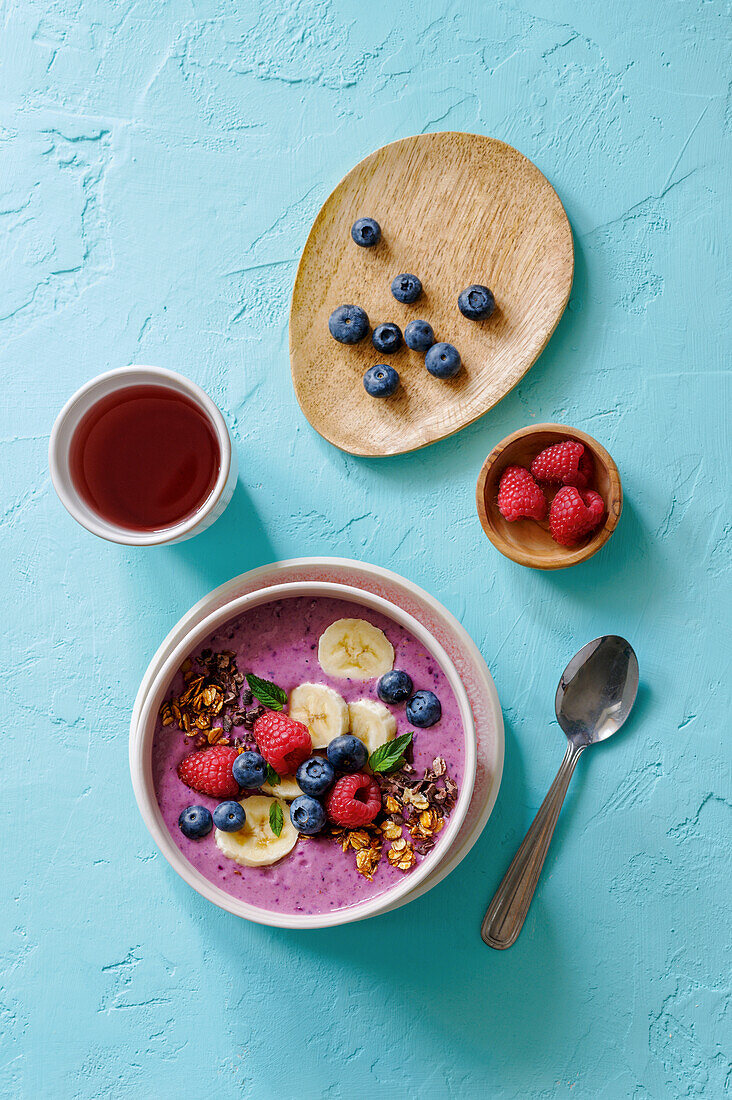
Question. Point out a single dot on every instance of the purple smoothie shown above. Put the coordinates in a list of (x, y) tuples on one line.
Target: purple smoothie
[(278, 641)]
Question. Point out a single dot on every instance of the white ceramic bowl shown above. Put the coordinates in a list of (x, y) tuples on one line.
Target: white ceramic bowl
[(141, 739), (68, 420), (466, 657)]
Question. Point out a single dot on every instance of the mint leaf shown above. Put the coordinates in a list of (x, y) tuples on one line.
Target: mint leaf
[(268, 694), (272, 777), (390, 756), (276, 820)]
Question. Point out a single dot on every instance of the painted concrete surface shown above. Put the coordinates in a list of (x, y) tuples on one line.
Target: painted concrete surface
[(159, 169)]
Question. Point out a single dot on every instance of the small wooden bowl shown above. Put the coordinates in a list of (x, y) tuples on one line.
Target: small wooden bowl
[(525, 541)]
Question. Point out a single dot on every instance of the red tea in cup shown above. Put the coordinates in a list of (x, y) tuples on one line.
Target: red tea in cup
[(145, 457)]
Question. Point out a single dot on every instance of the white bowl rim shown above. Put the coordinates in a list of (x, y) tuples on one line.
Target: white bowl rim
[(141, 762), (61, 477)]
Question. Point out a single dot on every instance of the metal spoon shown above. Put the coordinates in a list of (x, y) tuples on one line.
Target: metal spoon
[(595, 696)]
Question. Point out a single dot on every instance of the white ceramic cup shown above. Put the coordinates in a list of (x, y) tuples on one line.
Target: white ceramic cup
[(143, 730), (68, 420)]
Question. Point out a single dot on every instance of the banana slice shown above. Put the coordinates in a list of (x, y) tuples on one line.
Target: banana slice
[(372, 723), (355, 649), (287, 788), (255, 845), (323, 711)]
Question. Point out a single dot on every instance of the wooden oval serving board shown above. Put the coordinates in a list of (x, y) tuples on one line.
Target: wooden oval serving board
[(454, 209)]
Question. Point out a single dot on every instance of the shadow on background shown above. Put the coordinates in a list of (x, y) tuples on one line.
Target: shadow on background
[(627, 561), (238, 541)]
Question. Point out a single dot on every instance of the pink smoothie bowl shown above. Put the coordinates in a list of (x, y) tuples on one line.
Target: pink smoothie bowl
[(141, 757)]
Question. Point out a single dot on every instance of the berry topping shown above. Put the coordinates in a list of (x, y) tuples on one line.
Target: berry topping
[(519, 496), (424, 709), (307, 814), (574, 514), (354, 801), (250, 770), (476, 302), (229, 816), (315, 776), (208, 771), (348, 324), (380, 380), (347, 753), (406, 288), (419, 335), (195, 822), (387, 338), (395, 686), (567, 462), (443, 360), (282, 742), (366, 232)]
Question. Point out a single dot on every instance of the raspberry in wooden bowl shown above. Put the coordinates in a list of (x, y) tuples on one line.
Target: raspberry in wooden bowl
[(581, 491)]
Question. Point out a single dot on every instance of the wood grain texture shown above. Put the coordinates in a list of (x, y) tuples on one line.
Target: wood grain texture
[(527, 541), (454, 209)]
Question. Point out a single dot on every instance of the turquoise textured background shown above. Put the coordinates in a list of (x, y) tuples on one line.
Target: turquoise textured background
[(160, 166)]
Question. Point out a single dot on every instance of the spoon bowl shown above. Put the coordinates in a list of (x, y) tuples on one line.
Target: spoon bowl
[(597, 690)]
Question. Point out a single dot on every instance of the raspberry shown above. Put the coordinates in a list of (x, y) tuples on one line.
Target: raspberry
[(208, 771), (573, 514), (566, 462), (283, 742), (519, 495), (355, 800)]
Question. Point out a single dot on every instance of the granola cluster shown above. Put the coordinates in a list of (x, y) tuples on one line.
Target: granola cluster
[(415, 807), (366, 843), (212, 702)]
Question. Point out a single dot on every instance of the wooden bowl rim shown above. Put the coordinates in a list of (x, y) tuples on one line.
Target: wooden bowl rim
[(572, 557)]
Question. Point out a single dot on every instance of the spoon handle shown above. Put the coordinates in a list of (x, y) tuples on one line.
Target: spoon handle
[(507, 912)]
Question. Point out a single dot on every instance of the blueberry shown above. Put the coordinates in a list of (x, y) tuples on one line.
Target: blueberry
[(250, 770), (315, 776), (443, 360), (476, 302), (366, 232), (307, 815), (348, 324), (229, 817), (387, 338), (195, 822), (419, 336), (406, 288), (395, 686), (424, 709), (347, 753), (380, 380)]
